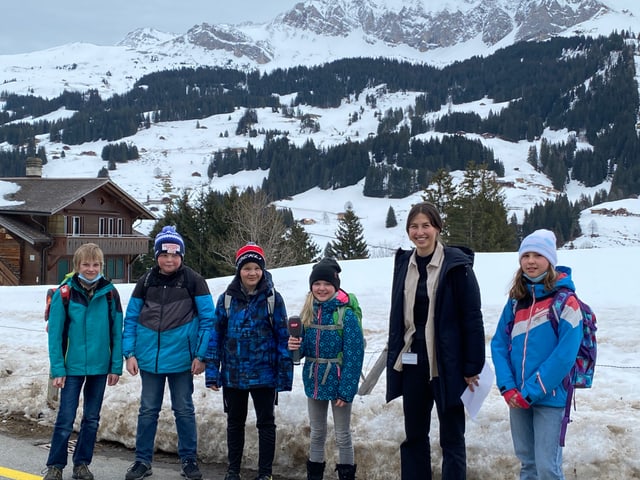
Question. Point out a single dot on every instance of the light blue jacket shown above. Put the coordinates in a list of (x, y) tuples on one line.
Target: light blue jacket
[(168, 321), (535, 359)]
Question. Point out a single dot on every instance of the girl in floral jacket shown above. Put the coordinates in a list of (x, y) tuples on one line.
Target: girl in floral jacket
[(333, 347)]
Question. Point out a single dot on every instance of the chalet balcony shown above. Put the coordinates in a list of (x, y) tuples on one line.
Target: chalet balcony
[(110, 245)]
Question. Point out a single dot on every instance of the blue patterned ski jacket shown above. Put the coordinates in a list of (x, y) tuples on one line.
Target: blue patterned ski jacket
[(331, 380), (248, 347)]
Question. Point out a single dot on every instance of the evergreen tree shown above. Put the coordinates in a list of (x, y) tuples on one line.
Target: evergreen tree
[(474, 213), (442, 194), (484, 212), (350, 243), (532, 157), (391, 218), (304, 249)]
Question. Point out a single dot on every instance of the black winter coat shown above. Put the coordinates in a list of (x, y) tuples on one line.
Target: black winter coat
[(459, 330)]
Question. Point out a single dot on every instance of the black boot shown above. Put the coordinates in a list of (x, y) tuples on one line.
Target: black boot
[(315, 470), (346, 472)]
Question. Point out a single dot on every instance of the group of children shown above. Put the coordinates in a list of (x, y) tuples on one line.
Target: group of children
[(172, 331)]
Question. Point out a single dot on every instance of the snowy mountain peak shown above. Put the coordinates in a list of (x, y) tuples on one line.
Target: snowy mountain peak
[(227, 38), (425, 25), (320, 31), (420, 25), (145, 37)]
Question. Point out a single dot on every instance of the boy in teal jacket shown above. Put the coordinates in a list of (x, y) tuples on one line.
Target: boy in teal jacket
[(85, 353)]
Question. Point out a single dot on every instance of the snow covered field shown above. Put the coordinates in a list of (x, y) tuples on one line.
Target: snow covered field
[(602, 442)]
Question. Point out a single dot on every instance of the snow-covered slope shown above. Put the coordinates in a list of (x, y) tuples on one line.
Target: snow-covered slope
[(180, 153)]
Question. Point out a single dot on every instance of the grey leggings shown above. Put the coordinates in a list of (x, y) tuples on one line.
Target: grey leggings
[(341, 424)]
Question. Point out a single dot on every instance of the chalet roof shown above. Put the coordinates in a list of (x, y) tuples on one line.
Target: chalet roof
[(26, 232), (48, 196)]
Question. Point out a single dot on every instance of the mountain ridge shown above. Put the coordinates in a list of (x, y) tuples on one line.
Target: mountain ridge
[(82, 67), (316, 32)]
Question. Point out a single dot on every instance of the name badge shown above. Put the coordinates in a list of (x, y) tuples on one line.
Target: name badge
[(409, 358)]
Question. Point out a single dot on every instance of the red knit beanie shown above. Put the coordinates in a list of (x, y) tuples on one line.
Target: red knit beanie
[(251, 252)]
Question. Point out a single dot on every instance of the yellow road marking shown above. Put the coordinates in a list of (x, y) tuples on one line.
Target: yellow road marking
[(16, 475)]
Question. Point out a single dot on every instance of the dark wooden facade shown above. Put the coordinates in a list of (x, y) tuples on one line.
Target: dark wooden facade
[(46, 220)]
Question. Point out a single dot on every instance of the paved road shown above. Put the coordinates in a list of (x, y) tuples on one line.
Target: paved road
[(24, 459)]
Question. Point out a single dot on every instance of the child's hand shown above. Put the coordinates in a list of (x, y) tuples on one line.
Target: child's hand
[(294, 343), (515, 399), (132, 366), (58, 382)]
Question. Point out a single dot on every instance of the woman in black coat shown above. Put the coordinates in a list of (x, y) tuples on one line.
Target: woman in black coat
[(436, 343)]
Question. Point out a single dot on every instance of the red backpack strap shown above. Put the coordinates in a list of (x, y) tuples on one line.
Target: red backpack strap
[(65, 293)]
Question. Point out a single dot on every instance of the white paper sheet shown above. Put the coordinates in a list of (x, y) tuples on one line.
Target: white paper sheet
[(473, 400)]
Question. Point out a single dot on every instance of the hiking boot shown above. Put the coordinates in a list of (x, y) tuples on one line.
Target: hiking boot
[(138, 470), (190, 469), (53, 473), (346, 472), (82, 472), (232, 476), (315, 470)]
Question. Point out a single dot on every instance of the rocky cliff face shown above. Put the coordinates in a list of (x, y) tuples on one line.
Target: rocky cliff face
[(420, 25)]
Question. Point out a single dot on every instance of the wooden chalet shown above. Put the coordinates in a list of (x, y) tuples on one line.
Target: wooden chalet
[(46, 220)]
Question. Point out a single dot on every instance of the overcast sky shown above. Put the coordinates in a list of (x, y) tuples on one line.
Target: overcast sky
[(30, 25)]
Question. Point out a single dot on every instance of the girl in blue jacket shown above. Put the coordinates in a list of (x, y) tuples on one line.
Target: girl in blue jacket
[(531, 359), (333, 347)]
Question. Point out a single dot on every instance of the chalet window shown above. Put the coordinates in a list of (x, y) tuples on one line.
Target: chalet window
[(76, 226), (111, 227), (114, 268)]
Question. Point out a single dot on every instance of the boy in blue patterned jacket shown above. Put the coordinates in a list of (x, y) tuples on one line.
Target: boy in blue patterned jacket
[(248, 356)]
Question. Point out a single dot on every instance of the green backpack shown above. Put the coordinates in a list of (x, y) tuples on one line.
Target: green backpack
[(353, 304), (348, 300)]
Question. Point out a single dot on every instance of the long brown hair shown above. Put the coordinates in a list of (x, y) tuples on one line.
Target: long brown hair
[(519, 288)]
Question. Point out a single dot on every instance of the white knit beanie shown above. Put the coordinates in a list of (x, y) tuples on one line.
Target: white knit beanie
[(543, 242)]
